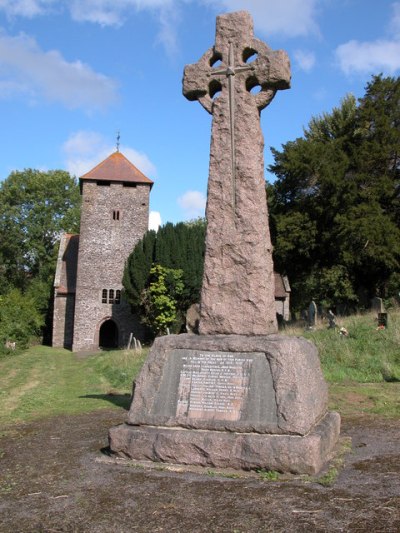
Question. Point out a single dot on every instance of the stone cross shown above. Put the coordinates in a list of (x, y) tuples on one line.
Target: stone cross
[(238, 284)]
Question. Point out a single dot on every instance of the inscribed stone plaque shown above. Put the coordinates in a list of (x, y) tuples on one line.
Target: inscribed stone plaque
[(203, 386), (213, 385)]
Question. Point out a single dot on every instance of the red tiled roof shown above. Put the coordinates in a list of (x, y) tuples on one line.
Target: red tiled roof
[(116, 168), (280, 289), (67, 267)]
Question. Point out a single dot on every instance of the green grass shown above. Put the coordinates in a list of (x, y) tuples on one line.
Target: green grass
[(47, 381), (363, 371), (367, 355), (353, 399), (268, 475)]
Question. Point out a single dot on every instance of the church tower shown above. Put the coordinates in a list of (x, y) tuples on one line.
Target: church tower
[(114, 217)]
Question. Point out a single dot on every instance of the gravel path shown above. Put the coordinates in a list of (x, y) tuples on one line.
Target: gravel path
[(54, 477)]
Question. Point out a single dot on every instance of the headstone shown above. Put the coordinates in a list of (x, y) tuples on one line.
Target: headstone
[(377, 304), (312, 314), (237, 395), (193, 319), (331, 319)]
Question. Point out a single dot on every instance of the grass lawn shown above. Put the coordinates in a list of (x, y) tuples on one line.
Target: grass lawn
[(363, 372), (366, 355), (46, 381)]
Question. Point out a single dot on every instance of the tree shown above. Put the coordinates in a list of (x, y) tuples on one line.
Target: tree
[(35, 208), (335, 204), (175, 246), (160, 299), (20, 319), (137, 269)]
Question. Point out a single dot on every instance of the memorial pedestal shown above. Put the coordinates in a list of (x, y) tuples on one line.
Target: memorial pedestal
[(230, 401)]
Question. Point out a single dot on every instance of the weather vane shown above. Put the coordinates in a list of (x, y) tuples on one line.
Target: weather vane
[(118, 138)]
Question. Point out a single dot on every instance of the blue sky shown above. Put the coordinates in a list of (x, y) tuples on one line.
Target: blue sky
[(74, 72)]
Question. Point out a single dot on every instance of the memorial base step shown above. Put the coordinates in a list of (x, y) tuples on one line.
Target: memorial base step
[(247, 451)]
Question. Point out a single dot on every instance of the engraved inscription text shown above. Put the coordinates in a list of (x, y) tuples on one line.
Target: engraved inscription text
[(213, 385)]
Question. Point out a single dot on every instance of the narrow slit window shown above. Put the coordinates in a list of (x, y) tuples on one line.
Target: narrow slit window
[(111, 296), (117, 296), (116, 214), (104, 296)]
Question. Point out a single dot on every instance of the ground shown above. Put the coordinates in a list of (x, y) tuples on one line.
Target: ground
[(56, 476)]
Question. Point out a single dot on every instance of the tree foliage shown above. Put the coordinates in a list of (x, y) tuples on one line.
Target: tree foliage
[(159, 300), (175, 246), (20, 319), (335, 203), (35, 208)]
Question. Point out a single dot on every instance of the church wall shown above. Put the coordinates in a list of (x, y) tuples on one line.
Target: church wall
[(59, 321), (63, 320), (114, 218)]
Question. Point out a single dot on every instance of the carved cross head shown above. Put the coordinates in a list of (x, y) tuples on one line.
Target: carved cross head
[(237, 54)]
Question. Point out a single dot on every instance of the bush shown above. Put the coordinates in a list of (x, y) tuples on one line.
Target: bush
[(20, 321)]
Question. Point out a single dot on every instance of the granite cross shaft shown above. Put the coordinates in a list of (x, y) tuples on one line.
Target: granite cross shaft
[(230, 72), (238, 285)]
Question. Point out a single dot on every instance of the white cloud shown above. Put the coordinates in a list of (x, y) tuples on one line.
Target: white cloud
[(193, 203), (169, 20), (154, 220), (86, 149), (369, 57), (381, 55), (112, 12), (291, 18), (25, 8), (48, 75), (140, 160), (305, 60)]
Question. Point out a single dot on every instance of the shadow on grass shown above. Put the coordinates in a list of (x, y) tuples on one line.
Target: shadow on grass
[(120, 400)]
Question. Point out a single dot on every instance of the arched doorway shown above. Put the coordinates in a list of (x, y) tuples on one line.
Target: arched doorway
[(108, 335)]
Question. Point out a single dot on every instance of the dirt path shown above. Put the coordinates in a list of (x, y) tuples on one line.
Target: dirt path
[(54, 478)]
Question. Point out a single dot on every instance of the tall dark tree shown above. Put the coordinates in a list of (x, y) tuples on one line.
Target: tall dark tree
[(372, 226), (137, 269), (335, 203), (175, 246)]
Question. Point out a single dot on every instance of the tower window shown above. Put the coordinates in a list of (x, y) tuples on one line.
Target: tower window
[(116, 214), (111, 296)]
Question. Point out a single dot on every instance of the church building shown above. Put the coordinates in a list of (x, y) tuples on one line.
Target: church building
[(89, 307)]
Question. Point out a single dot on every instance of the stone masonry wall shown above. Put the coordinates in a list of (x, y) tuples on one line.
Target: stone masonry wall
[(63, 320), (105, 243)]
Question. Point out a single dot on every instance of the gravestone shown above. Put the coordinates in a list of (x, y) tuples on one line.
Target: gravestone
[(237, 395), (312, 314), (377, 304), (331, 319)]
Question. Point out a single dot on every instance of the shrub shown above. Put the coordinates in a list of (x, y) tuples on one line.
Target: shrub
[(20, 321)]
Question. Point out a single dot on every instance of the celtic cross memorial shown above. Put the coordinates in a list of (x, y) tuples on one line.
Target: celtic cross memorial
[(233, 396), (234, 80)]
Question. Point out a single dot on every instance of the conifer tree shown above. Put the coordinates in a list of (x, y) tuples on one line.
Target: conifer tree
[(176, 247), (335, 203)]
